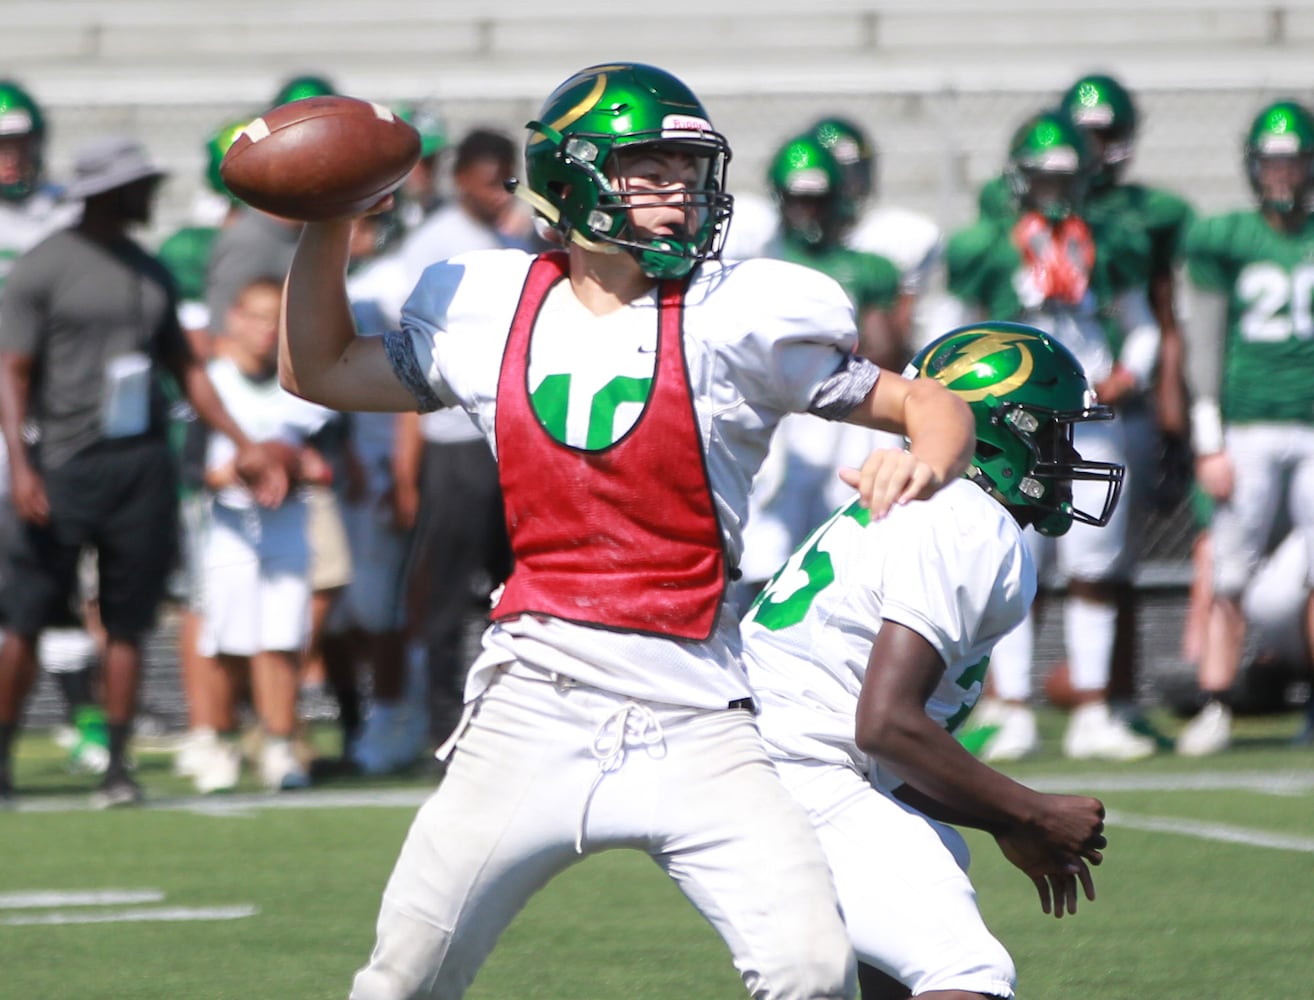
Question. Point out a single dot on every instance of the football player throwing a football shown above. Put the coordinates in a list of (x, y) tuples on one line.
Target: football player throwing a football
[(869, 648), (628, 384)]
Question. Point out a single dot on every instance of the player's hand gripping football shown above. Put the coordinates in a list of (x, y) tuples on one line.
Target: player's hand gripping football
[(1057, 850)]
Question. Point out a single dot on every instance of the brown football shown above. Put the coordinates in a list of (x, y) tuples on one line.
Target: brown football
[(320, 158)]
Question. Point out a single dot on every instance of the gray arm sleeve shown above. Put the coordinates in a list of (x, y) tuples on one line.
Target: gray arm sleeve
[(1205, 327), (401, 354), (840, 394)]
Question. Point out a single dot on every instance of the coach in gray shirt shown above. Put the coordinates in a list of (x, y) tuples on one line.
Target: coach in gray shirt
[(88, 323)]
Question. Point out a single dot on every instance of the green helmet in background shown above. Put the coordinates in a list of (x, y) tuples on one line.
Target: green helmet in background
[(850, 145), (1027, 392), (1103, 108), (424, 118), (1283, 130), (1049, 165), (612, 109), (301, 87), (21, 119), (215, 148), (808, 184)]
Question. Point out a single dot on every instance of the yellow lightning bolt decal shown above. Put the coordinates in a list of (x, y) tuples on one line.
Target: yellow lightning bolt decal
[(983, 347)]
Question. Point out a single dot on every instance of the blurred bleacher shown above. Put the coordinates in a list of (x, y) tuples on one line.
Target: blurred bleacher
[(940, 83)]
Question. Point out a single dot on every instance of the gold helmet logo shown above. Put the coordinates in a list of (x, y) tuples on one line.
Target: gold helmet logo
[(977, 364)]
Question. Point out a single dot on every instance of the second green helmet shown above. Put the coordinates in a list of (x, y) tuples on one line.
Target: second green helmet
[(1049, 165), (606, 111), (1103, 108), (21, 120), (1282, 130), (808, 183), (1027, 393)]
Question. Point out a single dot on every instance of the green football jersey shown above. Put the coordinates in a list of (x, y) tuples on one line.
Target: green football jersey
[(1268, 280), (869, 280), (1146, 224), (187, 256)]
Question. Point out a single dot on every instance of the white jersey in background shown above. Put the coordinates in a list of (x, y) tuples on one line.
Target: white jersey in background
[(954, 569)]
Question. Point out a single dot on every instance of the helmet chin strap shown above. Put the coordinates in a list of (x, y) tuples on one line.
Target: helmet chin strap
[(550, 212)]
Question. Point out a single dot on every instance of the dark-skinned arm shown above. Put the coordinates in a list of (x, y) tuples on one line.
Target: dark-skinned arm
[(27, 489)]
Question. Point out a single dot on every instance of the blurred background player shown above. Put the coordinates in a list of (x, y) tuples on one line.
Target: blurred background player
[(1148, 224), (1042, 265), (445, 478), (1250, 362), (421, 194), (797, 485), (256, 586), (869, 648), (910, 240)]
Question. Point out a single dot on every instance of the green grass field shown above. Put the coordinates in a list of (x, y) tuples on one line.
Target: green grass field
[(1206, 892)]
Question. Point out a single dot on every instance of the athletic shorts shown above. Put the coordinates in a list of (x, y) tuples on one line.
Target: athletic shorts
[(120, 498)]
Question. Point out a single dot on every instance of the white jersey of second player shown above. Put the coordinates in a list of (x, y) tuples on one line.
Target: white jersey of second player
[(760, 338), (953, 569)]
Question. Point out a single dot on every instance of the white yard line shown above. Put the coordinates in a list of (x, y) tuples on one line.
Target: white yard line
[(77, 897), (1212, 831), (164, 914)]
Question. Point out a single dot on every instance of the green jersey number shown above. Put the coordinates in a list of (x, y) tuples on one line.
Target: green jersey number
[(1277, 304), (553, 401), (785, 600)]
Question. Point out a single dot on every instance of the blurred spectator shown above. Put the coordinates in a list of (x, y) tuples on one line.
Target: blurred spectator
[(1250, 364), (87, 321), (257, 560), (30, 210)]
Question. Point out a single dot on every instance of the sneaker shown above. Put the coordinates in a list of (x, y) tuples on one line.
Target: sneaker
[(218, 766), (89, 753), (116, 791), (1208, 733), (193, 750), (1094, 733), (1016, 737), (280, 769)]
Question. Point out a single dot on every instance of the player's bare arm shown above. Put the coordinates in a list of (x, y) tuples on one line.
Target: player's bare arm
[(892, 725), (941, 435), (320, 356)]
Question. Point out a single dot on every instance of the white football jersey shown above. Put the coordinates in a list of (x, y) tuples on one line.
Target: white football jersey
[(760, 338), (953, 568)]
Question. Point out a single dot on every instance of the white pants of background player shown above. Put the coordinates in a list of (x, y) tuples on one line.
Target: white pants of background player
[(1084, 553), (547, 772), (902, 882), (1274, 467)]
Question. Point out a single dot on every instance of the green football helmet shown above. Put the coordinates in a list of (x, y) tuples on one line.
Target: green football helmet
[(215, 148), (1027, 393), (300, 87), (1283, 131), (599, 114), (425, 119), (21, 120), (808, 183), (850, 145), (1049, 165), (1103, 108)]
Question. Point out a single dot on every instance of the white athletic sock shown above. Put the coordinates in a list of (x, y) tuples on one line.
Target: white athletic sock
[(1010, 663), (1088, 627)]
